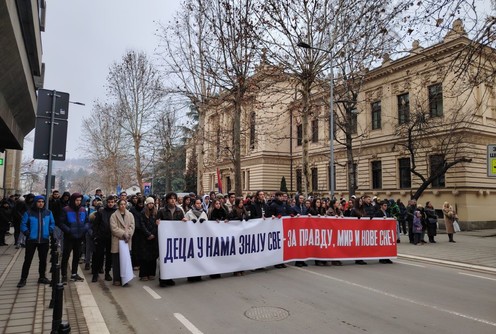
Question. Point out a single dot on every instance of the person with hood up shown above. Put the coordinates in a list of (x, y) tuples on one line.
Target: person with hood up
[(73, 222), (102, 239), (146, 229), (206, 203), (37, 225)]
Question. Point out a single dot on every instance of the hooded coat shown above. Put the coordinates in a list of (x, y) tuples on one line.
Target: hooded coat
[(74, 219)]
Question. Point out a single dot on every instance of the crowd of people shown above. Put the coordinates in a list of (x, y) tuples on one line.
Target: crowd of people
[(90, 227)]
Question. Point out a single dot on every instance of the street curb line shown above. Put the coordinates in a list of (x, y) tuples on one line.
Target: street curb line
[(94, 318), (449, 263)]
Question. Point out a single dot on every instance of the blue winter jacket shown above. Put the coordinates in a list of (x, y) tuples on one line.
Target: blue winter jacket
[(37, 225), (74, 219)]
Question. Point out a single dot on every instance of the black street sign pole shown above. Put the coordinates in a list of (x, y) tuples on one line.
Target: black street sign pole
[(50, 148)]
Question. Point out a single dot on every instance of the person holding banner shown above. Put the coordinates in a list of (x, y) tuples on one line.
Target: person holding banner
[(122, 226), (196, 213), (384, 213), (218, 213), (147, 231), (239, 211), (318, 210), (334, 210), (259, 208), (280, 208), (359, 212), (170, 211)]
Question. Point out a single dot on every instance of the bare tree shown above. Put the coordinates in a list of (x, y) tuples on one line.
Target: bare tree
[(437, 141), (235, 32), (351, 33), (104, 145), (84, 183), (136, 86), (168, 134), (32, 176), (185, 44)]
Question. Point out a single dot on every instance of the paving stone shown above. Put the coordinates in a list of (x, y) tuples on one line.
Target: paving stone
[(30, 309), (18, 329), (27, 315), (21, 322)]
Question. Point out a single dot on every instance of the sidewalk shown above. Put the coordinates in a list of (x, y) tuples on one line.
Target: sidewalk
[(26, 310), (473, 249)]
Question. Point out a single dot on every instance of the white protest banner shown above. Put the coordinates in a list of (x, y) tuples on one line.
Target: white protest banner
[(125, 262), (189, 249)]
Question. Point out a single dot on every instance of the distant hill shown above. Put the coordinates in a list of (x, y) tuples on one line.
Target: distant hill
[(74, 164)]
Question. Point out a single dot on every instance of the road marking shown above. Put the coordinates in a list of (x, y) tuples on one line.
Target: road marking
[(399, 297), (187, 323), (492, 279), (410, 264), (152, 293)]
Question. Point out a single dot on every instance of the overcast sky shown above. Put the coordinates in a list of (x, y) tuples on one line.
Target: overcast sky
[(83, 38)]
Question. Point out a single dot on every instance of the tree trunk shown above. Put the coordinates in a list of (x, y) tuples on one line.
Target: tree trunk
[(237, 148), (304, 140), (199, 153), (139, 175), (350, 165)]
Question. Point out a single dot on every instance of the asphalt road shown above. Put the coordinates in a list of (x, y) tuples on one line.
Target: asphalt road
[(405, 297)]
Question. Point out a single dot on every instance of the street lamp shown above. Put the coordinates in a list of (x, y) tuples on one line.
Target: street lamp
[(331, 116)]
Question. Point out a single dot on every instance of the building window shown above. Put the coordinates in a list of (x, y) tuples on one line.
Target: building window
[(299, 180), (315, 179), (437, 163), (315, 130), (376, 174), (252, 130), (354, 121), (299, 135), (376, 115), (403, 108), (404, 173), (436, 100)]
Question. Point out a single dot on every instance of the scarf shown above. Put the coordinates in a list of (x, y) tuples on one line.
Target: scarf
[(196, 212)]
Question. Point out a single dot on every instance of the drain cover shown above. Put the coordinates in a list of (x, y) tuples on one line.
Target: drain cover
[(267, 313)]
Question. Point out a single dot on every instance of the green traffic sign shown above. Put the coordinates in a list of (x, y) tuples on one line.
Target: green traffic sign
[(1, 161)]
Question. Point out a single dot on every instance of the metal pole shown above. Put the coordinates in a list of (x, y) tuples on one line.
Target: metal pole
[(50, 148), (55, 270), (331, 129)]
